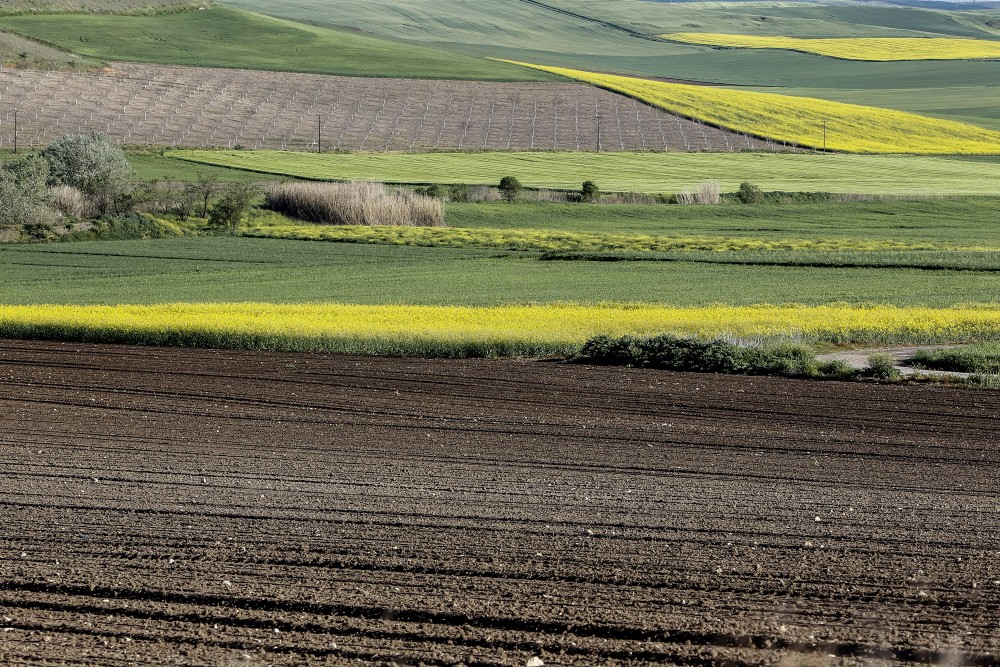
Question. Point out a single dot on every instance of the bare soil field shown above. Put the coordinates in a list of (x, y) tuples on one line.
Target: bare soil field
[(196, 107), (170, 506)]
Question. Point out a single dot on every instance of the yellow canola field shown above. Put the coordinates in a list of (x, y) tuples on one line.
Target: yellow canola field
[(861, 48), (804, 121), (482, 331)]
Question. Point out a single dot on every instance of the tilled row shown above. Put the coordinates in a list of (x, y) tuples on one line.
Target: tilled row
[(208, 507)]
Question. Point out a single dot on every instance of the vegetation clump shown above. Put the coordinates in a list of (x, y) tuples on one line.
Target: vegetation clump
[(510, 188), (92, 164), (983, 358)]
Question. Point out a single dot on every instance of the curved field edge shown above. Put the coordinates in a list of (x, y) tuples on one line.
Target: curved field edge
[(457, 331), (800, 121), (871, 49), (231, 38), (279, 227), (629, 172)]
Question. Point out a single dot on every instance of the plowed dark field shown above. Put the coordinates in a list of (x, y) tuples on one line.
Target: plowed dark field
[(166, 506)]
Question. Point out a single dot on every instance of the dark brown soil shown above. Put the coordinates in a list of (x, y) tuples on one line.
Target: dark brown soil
[(167, 506)]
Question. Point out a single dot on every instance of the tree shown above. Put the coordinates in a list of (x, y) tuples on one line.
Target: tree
[(92, 164), (207, 187), (24, 194), (749, 193), (234, 203), (510, 188), (589, 192)]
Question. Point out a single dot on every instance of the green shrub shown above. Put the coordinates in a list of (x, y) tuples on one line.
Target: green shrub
[(589, 193), (458, 192), (24, 194), (984, 358), (749, 193), (510, 188), (789, 359), (607, 351), (674, 353), (837, 369), (92, 164), (882, 367), (234, 203)]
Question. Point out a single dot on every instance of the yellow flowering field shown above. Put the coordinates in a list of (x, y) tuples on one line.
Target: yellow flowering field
[(855, 48), (458, 331), (800, 120)]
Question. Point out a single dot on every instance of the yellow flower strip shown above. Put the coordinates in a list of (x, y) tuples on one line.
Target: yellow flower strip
[(483, 331), (549, 240), (800, 120), (882, 49)]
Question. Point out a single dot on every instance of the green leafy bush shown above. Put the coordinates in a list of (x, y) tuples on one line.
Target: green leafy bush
[(24, 194), (589, 193), (749, 193), (92, 164), (510, 188), (882, 367)]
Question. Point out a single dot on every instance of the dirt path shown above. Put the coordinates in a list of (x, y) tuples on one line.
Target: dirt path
[(858, 358), (166, 506)]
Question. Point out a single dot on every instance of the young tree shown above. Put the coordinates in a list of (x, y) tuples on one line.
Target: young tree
[(510, 188), (589, 192), (234, 203), (92, 164)]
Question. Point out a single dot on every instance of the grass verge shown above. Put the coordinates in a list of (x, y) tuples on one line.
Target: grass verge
[(983, 359)]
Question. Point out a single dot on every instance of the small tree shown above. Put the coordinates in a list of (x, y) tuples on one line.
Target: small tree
[(234, 203), (92, 164), (24, 195), (749, 193), (207, 187), (589, 192), (458, 192), (510, 188)]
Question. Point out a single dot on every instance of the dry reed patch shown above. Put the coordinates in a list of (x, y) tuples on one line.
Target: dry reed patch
[(355, 203)]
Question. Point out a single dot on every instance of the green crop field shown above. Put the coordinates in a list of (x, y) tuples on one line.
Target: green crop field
[(615, 36), (241, 269), (221, 37), (643, 172)]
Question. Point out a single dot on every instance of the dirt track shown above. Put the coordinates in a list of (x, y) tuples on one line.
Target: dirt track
[(226, 508)]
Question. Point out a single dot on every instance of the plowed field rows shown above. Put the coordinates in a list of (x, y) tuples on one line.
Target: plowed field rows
[(197, 107), (164, 506)]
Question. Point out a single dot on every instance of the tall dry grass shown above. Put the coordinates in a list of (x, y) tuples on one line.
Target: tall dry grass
[(70, 201), (356, 203), (709, 192)]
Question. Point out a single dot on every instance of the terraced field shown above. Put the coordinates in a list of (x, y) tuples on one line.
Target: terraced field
[(179, 106), (215, 508)]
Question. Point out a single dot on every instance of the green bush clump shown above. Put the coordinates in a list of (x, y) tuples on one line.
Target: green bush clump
[(882, 367), (984, 358), (676, 353), (749, 193)]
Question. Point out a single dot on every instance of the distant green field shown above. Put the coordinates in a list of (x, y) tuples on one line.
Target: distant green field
[(220, 37), (631, 172), (241, 269), (614, 31)]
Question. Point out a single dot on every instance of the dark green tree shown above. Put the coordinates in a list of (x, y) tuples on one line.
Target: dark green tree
[(510, 188)]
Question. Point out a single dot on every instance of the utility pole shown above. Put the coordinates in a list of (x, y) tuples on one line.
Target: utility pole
[(15, 131), (319, 133), (598, 132), (824, 135)]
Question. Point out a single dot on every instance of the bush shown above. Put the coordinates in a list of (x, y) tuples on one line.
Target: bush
[(360, 203), (788, 359), (749, 193), (458, 192), (673, 353), (589, 193), (24, 195), (607, 351), (982, 358), (882, 367), (433, 190), (234, 203), (838, 369), (92, 164), (510, 188)]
